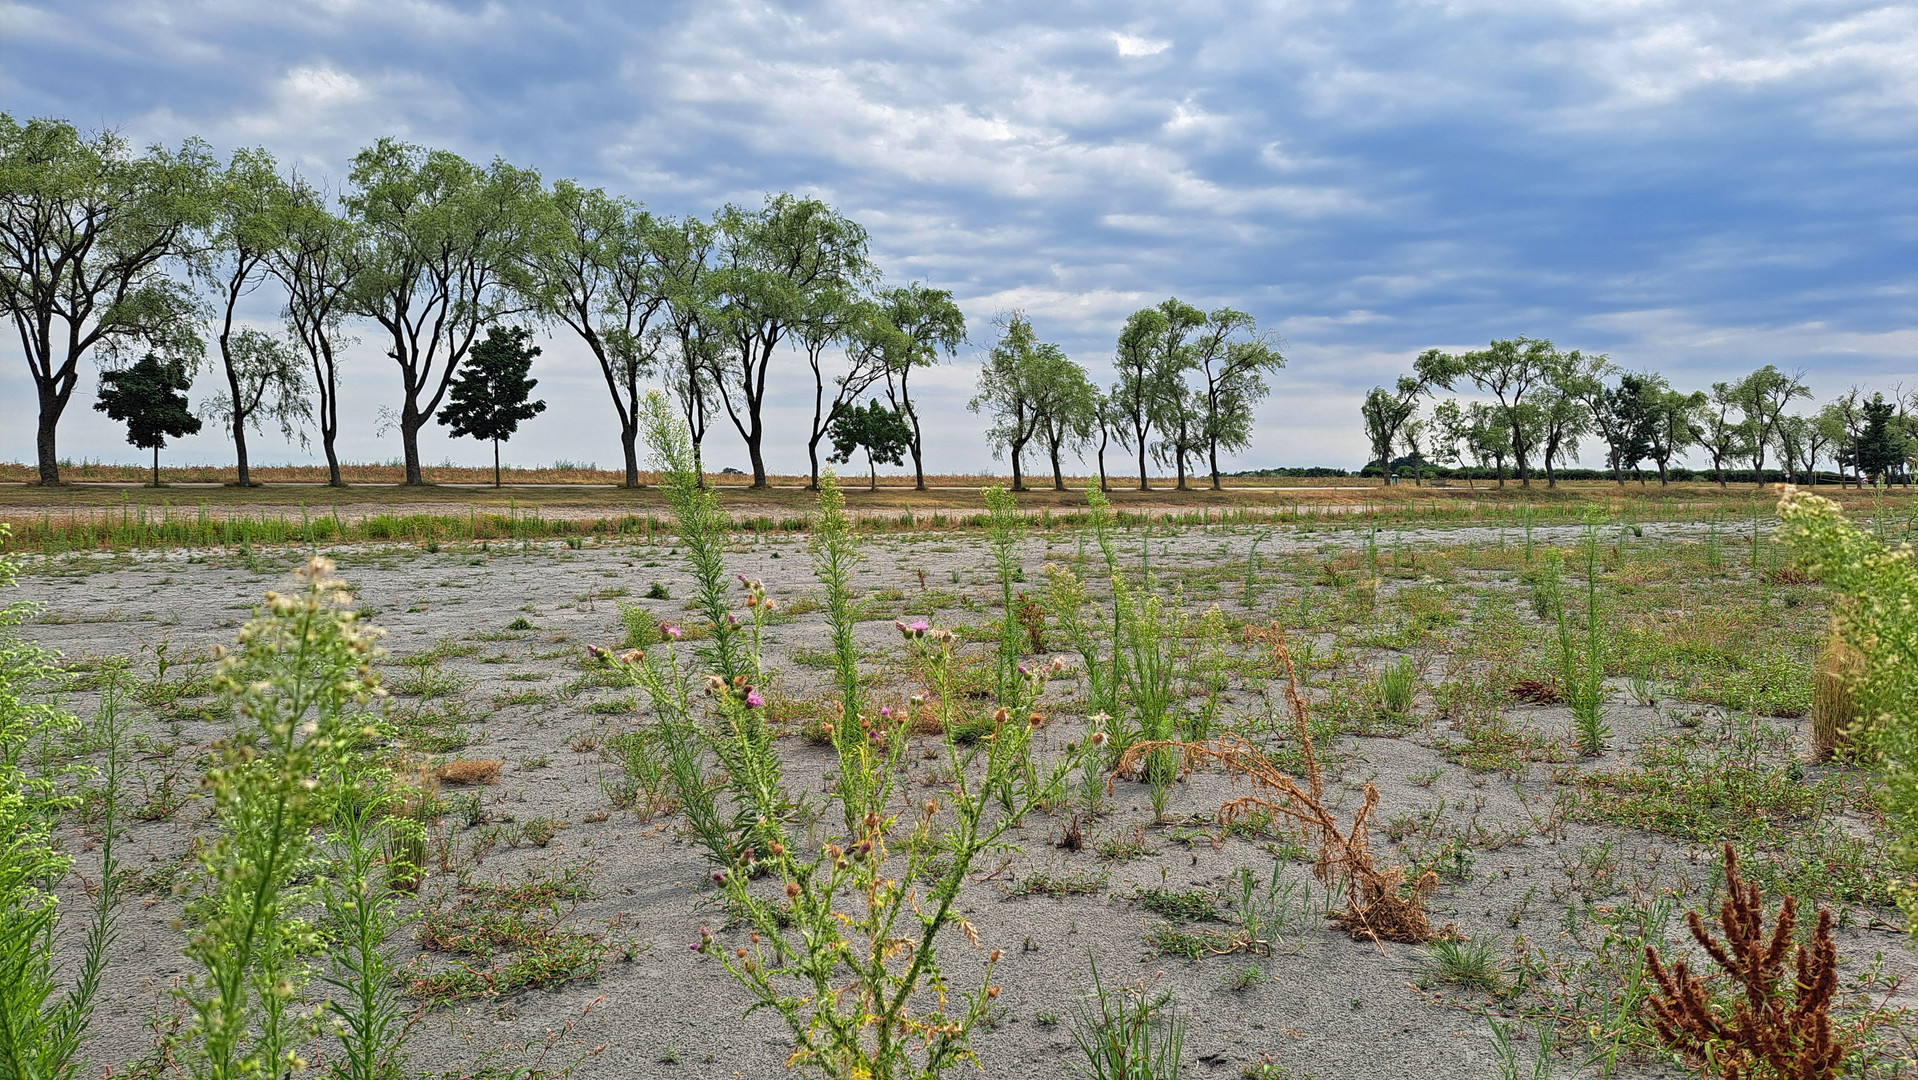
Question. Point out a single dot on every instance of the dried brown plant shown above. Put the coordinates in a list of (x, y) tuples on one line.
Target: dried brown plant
[(1778, 1028), (1835, 710), (1536, 691), (468, 772), (1379, 903)]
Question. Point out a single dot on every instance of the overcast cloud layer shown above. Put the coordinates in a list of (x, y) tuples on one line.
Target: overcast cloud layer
[(1696, 188)]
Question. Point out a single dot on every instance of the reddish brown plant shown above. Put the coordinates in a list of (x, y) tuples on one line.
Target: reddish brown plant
[(1776, 1028)]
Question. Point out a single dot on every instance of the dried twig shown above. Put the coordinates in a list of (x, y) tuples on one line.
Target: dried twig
[(1380, 904)]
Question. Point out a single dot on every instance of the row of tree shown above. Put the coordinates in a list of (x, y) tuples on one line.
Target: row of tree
[(1537, 403), (1188, 382), (120, 255)]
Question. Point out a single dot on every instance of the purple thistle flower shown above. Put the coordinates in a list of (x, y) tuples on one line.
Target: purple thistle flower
[(673, 632), (754, 701)]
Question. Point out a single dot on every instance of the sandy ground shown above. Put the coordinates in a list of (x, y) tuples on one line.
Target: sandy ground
[(1326, 1006)]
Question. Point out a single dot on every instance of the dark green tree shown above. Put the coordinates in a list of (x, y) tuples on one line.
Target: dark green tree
[(488, 397), (882, 433), (1879, 451), (150, 399)]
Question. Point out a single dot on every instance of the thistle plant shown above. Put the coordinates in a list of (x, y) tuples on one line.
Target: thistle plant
[(1003, 527), (739, 737), (848, 954), (703, 528), (298, 677), (834, 558), (40, 1025)]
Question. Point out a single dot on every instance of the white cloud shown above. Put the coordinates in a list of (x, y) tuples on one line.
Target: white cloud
[(1131, 45)]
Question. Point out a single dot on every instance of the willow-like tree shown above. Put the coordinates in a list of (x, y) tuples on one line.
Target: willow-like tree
[(1233, 358), (250, 204), (317, 260), (1511, 370), (1762, 398), (930, 325), (1016, 385), (769, 263), (1152, 359), (1386, 412), (87, 230), (443, 236), (150, 399), (489, 397), (591, 263)]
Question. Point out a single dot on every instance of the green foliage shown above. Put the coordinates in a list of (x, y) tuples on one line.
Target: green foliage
[(489, 395), (298, 676), (150, 399), (42, 1024), (847, 957), (703, 527), (1876, 616), (1129, 1033), (881, 432)]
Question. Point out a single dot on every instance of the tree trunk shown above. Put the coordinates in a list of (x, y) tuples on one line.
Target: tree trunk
[(812, 457), (1144, 485), (156, 466), (410, 443), (1018, 480), (1212, 459), (245, 477), (332, 461), (43, 442), (1058, 475), (628, 437), (752, 451), (872, 474), (1102, 462), (496, 464)]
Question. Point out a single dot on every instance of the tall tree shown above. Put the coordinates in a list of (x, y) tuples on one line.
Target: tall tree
[(929, 324), (1233, 358), (690, 345), (264, 381), (1563, 414), (1677, 426), (250, 204), (881, 432), (830, 316), (1846, 417), (150, 398), (1720, 433), (87, 229), (1386, 413), (769, 262), (1014, 385), (1762, 397), (1069, 413), (591, 262), (1510, 370), (1112, 427), (443, 235), (1449, 436), (491, 394), (317, 258), (1624, 416), (872, 347), (1488, 437), (1881, 452), (1152, 359)]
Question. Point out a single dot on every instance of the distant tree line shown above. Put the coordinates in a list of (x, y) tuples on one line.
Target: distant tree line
[(1538, 405), (116, 255)]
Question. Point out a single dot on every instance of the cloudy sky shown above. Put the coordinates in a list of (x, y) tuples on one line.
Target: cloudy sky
[(1693, 187)]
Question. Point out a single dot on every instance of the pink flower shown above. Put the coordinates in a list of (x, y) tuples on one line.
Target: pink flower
[(754, 701), (673, 632), (919, 628)]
